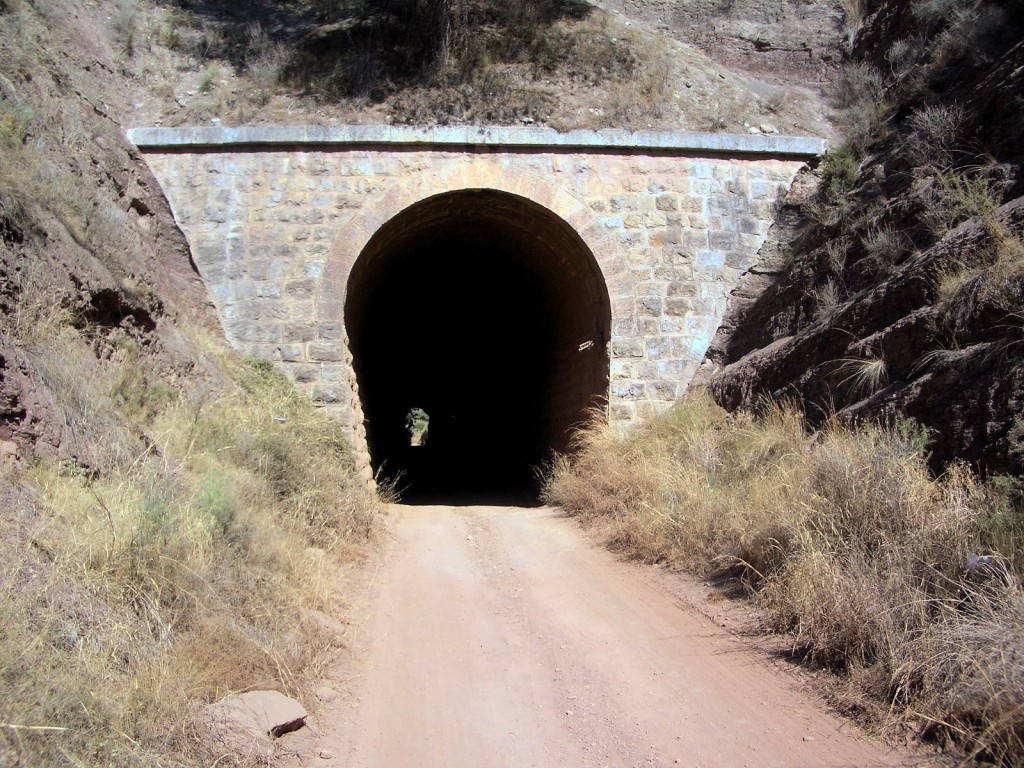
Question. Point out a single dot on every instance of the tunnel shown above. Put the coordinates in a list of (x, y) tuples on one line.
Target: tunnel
[(478, 323)]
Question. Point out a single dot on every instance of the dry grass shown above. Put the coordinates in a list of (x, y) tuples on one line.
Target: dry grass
[(844, 538), (864, 376), (990, 288), (827, 298), (175, 573)]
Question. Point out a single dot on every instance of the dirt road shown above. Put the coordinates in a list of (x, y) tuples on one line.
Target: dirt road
[(502, 637)]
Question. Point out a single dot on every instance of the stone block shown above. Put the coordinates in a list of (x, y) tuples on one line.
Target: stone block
[(624, 203), (621, 412), (737, 259), (681, 288), (292, 353), (215, 214), (691, 203), (335, 373), (675, 269), (671, 369), (300, 289), (648, 326), (722, 240), (663, 390), (658, 347), (667, 202), (650, 288), (651, 305), (302, 311), (329, 394), (678, 307), (631, 238), (264, 310), (710, 259), (671, 324), (627, 347), (259, 332), (330, 331), (325, 351), (304, 374), (693, 239), (724, 171), (298, 332), (621, 369), (623, 326), (627, 390)]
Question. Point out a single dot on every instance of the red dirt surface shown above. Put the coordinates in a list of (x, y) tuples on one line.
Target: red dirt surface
[(503, 637)]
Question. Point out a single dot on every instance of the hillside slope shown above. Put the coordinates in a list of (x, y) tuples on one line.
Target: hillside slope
[(898, 285), (174, 517)]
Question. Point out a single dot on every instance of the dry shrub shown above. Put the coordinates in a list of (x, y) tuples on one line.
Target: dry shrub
[(858, 94), (827, 298), (936, 135), (266, 63), (844, 537), (143, 588), (954, 197), (69, 376)]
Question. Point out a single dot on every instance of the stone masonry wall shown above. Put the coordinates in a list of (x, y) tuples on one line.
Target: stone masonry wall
[(275, 231)]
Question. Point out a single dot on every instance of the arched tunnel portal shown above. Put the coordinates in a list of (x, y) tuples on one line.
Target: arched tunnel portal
[(484, 318)]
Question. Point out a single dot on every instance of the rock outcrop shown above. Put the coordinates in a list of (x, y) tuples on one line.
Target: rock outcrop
[(899, 287)]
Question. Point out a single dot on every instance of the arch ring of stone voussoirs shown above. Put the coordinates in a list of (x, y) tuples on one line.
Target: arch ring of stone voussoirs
[(354, 236)]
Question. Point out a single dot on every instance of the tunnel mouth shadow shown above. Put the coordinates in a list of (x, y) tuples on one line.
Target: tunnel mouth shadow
[(488, 315)]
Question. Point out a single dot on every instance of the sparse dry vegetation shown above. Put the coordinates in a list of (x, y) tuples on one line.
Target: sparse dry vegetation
[(190, 562), (908, 585)]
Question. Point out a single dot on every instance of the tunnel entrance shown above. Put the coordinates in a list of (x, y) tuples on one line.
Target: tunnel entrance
[(478, 323)]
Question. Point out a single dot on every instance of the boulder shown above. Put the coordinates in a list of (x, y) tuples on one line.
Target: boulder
[(248, 723)]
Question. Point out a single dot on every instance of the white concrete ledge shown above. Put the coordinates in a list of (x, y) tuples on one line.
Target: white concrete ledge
[(473, 137)]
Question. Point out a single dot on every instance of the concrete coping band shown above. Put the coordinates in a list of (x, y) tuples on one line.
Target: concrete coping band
[(472, 138)]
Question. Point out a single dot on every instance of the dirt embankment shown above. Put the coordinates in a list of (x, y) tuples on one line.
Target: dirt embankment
[(86, 235)]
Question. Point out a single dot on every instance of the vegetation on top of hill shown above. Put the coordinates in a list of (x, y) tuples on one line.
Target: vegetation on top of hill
[(563, 63)]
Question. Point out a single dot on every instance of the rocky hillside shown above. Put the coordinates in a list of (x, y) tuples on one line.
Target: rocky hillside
[(897, 285), (564, 63)]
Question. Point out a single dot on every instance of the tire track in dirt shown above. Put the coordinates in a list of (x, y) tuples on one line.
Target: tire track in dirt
[(502, 637)]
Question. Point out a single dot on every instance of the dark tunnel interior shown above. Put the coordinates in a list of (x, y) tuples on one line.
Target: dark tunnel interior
[(479, 324)]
